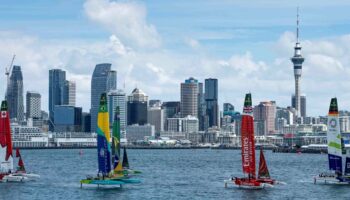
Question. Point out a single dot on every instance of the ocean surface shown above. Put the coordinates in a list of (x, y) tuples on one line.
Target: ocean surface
[(171, 174)]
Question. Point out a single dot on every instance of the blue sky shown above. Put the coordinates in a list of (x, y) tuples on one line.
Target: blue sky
[(157, 44)]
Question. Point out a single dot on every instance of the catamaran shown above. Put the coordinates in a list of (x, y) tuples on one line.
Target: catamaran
[(109, 173), (7, 173), (250, 181), (336, 152), (21, 171)]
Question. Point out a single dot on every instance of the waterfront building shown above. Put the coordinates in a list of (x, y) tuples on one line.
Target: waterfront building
[(203, 118), (139, 132), (186, 124), (69, 93), (117, 98), (171, 109), (14, 95), (57, 79), (344, 124), (86, 122), (33, 109), (103, 80), (189, 97), (297, 61), (67, 118), (33, 105), (137, 107), (211, 99), (155, 116), (155, 103), (265, 115)]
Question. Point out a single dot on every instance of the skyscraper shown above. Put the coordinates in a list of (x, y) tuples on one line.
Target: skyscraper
[(189, 97), (137, 107), (69, 93), (302, 105), (57, 80), (33, 105), (155, 116), (211, 99), (15, 94), (297, 61), (264, 116), (117, 98), (103, 80)]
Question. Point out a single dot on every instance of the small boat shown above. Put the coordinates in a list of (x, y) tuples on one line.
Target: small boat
[(248, 150), (336, 151), (110, 171)]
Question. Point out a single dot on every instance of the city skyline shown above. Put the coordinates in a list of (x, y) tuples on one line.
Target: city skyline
[(243, 53)]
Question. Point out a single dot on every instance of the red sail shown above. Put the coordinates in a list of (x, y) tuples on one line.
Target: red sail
[(20, 162), (247, 138), (5, 131), (263, 170)]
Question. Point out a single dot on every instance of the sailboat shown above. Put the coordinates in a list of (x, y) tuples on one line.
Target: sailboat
[(249, 181), (7, 173), (109, 173), (336, 151)]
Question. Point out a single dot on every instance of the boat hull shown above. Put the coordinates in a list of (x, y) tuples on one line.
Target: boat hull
[(246, 183), (267, 180), (331, 180), (13, 178)]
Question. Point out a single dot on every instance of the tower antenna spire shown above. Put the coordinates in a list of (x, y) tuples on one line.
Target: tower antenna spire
[(298, 24)]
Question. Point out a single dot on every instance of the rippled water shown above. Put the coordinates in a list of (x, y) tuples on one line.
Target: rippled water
[(171, 174)]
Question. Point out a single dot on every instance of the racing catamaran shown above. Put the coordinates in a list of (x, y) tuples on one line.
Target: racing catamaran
[(336, 151), (250, 181), (7, 173), (109, 173)]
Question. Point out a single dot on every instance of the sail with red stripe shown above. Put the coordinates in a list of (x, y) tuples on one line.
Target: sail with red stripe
[(20, 167), (6, 158), (247, 138), (263, 170)]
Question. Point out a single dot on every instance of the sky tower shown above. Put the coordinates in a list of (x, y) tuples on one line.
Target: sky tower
[(297, 61)]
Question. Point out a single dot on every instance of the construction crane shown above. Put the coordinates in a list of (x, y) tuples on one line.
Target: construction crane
[(7, 72)]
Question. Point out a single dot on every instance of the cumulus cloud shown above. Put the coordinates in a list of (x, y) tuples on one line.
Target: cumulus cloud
[(127, 20)]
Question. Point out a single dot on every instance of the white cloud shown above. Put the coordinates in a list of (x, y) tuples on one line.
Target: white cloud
[(127, 20)]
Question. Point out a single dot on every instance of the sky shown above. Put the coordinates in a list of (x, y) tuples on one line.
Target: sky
[(155, 45)]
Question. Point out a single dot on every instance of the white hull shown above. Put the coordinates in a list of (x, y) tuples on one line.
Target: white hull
[(30, 176), (14, 178), (329, 181)]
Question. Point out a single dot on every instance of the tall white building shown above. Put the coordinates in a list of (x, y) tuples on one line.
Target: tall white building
[(188, 124), (33, 103), (117, 98), (70, 93), (155, 116)]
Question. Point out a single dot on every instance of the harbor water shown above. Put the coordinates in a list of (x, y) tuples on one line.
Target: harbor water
[(171, 174)]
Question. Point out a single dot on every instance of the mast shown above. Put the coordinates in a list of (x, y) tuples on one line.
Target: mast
[(247, 138), (6, 158), (103, 138), (334, 138)]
